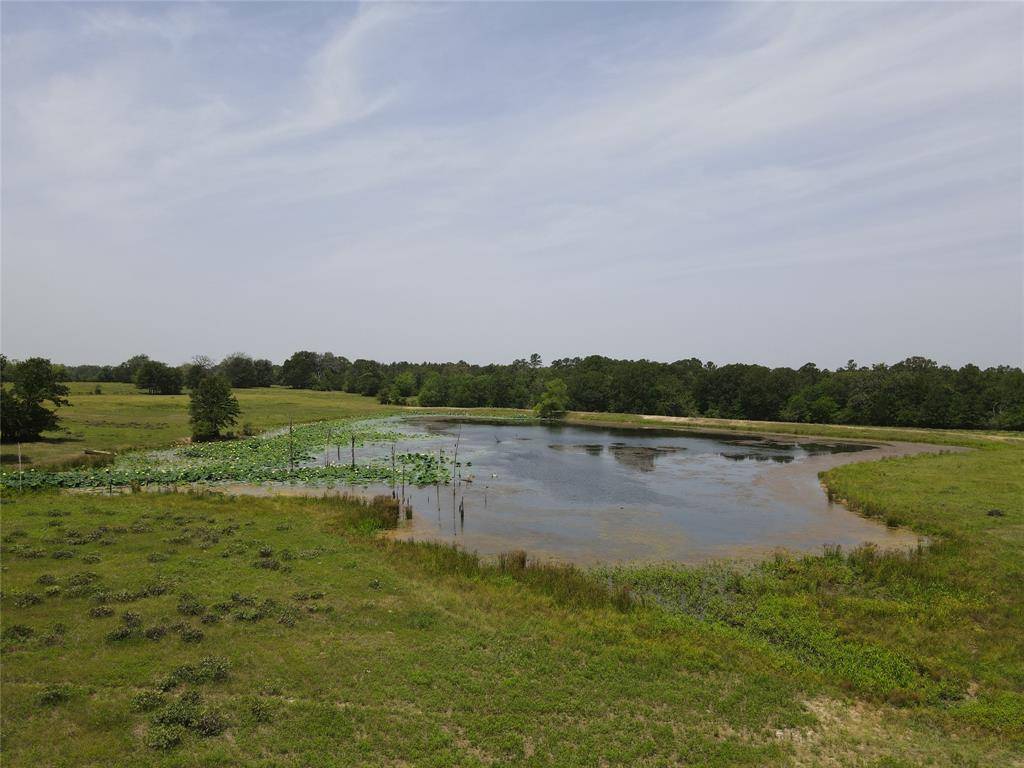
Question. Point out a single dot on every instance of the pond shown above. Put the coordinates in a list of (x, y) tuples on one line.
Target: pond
[(594, 494)]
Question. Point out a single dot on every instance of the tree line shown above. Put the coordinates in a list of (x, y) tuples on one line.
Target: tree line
[(916, 392)]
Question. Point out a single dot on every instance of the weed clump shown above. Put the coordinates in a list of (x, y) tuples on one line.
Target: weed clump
[(82, 578), (53, 695), (191, 635), (90, 558), (25, 599), (211, 723), (101, 611), (188, 605), (164, 737), (120, 633), (18, 632), (147, 701), (157, 632), (46, 579), (303, 596), (209, 669), (56, 635), (260, 712)]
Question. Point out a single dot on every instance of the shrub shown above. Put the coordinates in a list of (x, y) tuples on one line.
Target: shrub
[(52, 591), (156, 632), (62, 554), (101, 611), (157, 557), (131, 619), (46, 579)]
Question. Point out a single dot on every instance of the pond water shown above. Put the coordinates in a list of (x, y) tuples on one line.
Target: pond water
[(594, 494)]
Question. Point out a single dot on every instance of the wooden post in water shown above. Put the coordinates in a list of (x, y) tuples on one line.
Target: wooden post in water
[(393, 478), (455, 458), (353, 451), (291, 452)]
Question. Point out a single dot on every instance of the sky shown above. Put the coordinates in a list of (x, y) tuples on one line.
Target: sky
[(773, 183)]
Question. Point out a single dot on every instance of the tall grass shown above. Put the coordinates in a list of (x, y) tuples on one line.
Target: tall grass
[(568, 585)]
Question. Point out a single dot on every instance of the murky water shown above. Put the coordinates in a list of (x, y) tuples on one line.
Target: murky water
[(588, 494)]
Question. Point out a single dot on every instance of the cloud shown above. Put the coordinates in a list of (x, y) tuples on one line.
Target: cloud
[(315, 148)]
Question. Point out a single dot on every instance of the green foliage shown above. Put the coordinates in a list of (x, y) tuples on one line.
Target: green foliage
[(554, 400), (52, 695), (628, 677), (194, 372), (299, 371), (212, 407), (158, 378), (281, 457), (23, 415)]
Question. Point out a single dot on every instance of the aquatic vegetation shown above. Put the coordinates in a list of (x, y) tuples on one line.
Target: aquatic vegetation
[(309, 453)]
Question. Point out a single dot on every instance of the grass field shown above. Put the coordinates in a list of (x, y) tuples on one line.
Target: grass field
[(124, 418), (199, 630)]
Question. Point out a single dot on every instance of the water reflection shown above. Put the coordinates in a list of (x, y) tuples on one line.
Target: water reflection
[(640, 457), (588, 494)]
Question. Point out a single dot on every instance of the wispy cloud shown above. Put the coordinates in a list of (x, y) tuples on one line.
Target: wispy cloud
[(333, 160)]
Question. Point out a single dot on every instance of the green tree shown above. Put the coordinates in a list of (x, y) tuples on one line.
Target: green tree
[(239, 369), (126, 371), (299, 370), (197, 370), (554, 400), (434, 392), (23, 417), (264, 371), (158, 378), (212, 407)]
